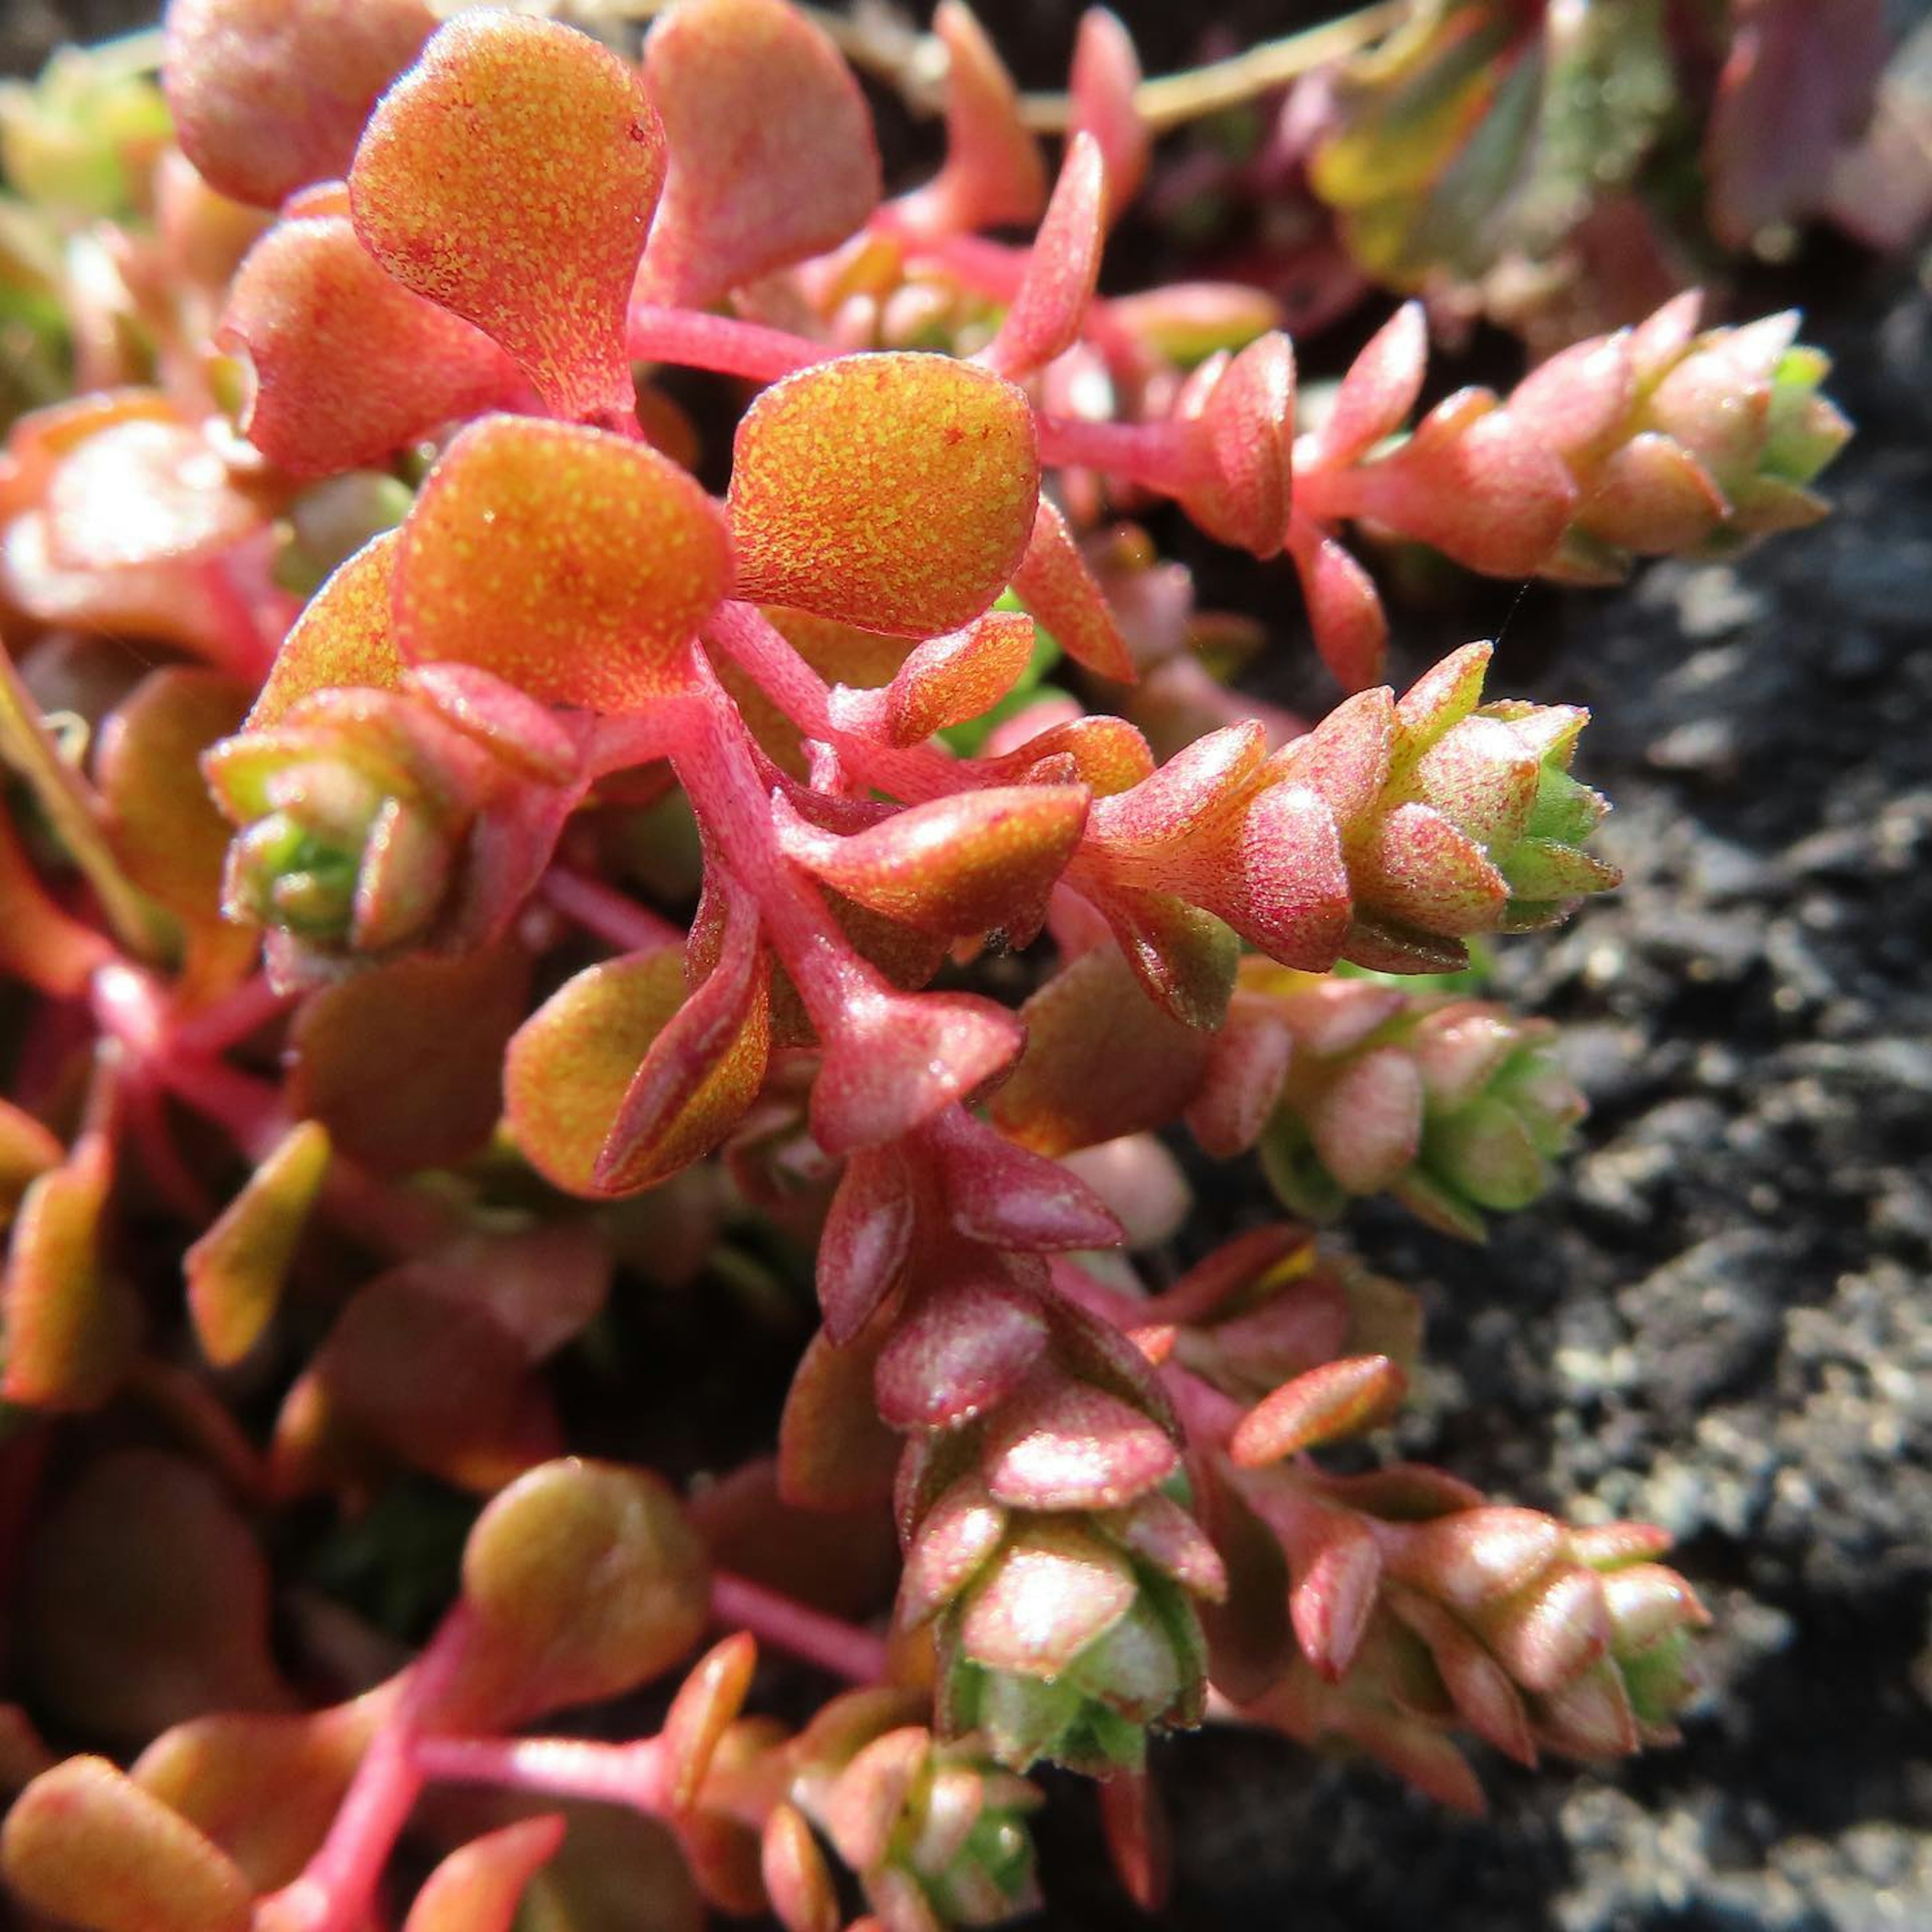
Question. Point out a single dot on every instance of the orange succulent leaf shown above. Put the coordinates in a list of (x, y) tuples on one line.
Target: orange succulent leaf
[(706, 1705), (27, 1151), (236, 1269), (479, 1885), (584, 1579), (895, 492), (575, 1063), (73, 1326), (1105, 72), (1055, 583), (402, 1064), (40, 943), (86, 1846), (1062, 267), (343, 637), (348, 365), (269, 95), (141, 492), (511, 176), (773, 158), (570, 562)]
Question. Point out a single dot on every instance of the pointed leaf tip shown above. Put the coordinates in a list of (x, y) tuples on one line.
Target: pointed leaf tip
[(511, 176), (568, 562)]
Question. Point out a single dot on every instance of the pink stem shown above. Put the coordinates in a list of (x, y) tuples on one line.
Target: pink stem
[(753, 641), (607, 914), (719, 343), (232, 1018), (337, 1886), (633, 1774), (842, 1649), (1160, 455)]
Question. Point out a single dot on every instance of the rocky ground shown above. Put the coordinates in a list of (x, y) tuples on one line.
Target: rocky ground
[(1721, 1320)]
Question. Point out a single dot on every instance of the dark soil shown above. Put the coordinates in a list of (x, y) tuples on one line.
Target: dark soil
[(1721, 1320)]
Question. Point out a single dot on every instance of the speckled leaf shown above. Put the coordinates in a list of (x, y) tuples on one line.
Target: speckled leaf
[(1056, 1588), (1066, 1445), (1062, 267), (511, 176), (967, 1346), (142, 492), (571, 563), (269, 95), (896, 492), (348, 364), (343, 637), (1054, 582), (772, 154), (992, 176)]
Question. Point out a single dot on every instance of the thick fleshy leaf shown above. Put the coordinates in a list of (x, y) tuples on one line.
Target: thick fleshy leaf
[(570, 562), (1184, 958), (269, 95), (771, 154), (1340, 1398), (895, 492), (955, 866), (1246, 1064), (236, 1270), (1653, 496), (348, 365), (141, 492), (951, 679), (72, 1325), (896, 1059), (27, 1151), (954, 1539), (146, 1602), (477, 1887), (86, 1846), (834, 1453), (40, 943), (1065, 1445), (1472, 1557), (1062, 267), (1344, 610), (1100, 1061), (866, 1240), (402, 1064), (572, 1064), (803, 1897), (511, 177), (1160, 1531), (992, 176), (542, 1285), (344, 637), (965, 1347), (1367, 1125), (1054, 582), (1105, 74), (585, 1580), (1002, 1195), (706, 1705), (163, 826), (1422, 872), (1337, 1569), (1379, 392), (1551, 1631), (1056, 1588), (1244, 427)]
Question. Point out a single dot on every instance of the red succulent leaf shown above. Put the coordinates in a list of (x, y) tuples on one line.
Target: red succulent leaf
[(403, 1064), (1344, 609), (868, 1801), (236, 1268), (1653, 496), (1579, 400), (953, 866), (542, 1285), (1007, 1198), (1249, 1641), (478, 1886), (1093, 1350), (1056, 1589), (84, 1844), (965, 1346), (1062, 267), (1054, 582), (1338, 1400), (1242, 416), (1551, 1630), (894, 1059), (510, 175), (571, 563), (895, 492), (773, 158), (834, 1452), (348, 365), (1485, 1699), (1160, 1531), (992, 176), (1105, 74), (954, 1539), (797, 1883), (73, 1326), (1066, 1445), (1379, 392), (1100, 1061), (1337, 1569), (945, 680), (343, 637), (866, 1241), (1184, 958), (1139, 1841), (147, 1601), (584, 1579), (1246, 1063), (269, 95), (1471, 1557)]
